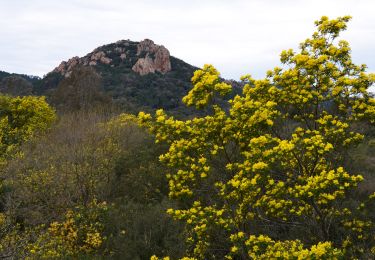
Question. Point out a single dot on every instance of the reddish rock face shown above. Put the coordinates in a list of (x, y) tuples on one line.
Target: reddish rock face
[(148, 46), (100, 56), (150, 58), (144, 66), (157, 58), (65, 68), (162, 62)]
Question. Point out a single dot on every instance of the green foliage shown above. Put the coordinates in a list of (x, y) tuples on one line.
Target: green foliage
[(80, 91), (15, 86), (283, 170), (72, 164), (13, 241), (80, 233), (20, 119), (266, 178), (138, 230), (89, 157), (31, 79)]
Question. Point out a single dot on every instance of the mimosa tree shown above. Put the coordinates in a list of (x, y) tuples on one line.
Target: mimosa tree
[(265, 176)]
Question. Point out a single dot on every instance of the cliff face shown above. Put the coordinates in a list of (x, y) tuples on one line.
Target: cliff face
[(149, 58), (156, 58)]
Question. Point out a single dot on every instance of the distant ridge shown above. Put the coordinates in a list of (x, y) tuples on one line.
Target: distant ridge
[(132, 76)]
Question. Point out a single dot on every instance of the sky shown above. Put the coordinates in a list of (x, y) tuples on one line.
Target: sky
[(238, 37)]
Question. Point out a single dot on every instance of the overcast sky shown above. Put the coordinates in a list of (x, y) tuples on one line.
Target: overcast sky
[(237, 36)]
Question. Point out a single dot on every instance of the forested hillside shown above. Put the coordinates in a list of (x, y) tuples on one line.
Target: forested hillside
[(127, 153)]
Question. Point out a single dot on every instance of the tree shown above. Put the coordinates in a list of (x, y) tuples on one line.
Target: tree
[(80, 234), (266, 176), (71, 165), (20, 119), (16, 86), (80, 91), (88, 159)]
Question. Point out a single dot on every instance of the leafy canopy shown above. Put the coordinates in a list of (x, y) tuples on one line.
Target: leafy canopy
[(267, 176), (21, 118)]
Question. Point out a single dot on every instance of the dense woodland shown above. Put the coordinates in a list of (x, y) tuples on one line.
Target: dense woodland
[(278, 168)]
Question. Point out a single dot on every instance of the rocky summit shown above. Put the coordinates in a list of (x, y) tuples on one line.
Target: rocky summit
[(133, 75), (150, 58), (156, 59)]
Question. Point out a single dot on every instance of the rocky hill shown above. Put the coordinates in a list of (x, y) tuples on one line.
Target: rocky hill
[(134, 75), (131, 76), (142, 57)]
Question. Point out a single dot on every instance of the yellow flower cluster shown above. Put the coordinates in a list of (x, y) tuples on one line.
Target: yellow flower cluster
[(206, 83), (21, 119), (272, 157), (79, 233), (263, 247)]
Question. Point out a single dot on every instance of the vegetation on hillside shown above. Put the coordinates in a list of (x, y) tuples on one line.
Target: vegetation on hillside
[(281, 168), (17, 84)]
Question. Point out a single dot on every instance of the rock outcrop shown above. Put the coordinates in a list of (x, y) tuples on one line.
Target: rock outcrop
[(134, 75), (142, 57), (100, 56), (156, 58), (144, 66), (66, 67)]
